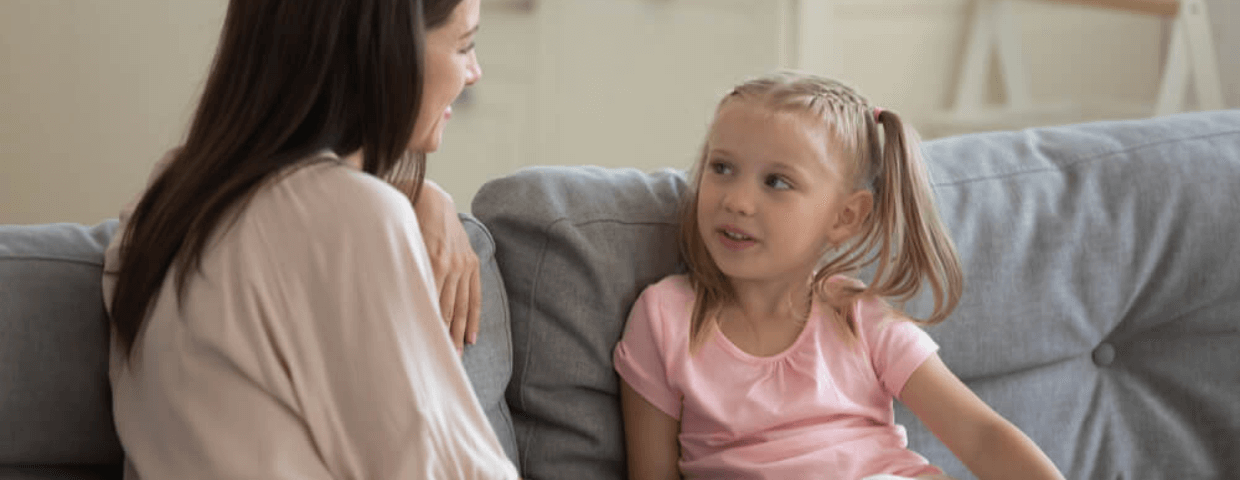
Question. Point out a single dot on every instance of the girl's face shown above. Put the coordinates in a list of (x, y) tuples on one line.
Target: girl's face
[(451, 64), (772, 196)]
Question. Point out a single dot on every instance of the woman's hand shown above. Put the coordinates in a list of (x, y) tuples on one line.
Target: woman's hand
[(453, 262)]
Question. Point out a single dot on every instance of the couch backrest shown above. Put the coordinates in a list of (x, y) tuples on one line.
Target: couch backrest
[(1103, 285), (1098, 314), (575, 246), (55, 406), (55, 401)]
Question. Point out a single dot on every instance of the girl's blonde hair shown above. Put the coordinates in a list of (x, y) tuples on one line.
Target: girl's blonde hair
[(902, 234)]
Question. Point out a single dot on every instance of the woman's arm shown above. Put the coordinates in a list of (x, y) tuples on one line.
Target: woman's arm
[(453, 262), (650, 437), (986, 442), (371, 371)]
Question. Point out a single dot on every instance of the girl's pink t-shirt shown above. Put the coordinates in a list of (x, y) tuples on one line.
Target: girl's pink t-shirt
[(820, 409)]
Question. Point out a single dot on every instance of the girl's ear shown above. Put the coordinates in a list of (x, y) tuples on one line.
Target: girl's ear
[(852, 215)]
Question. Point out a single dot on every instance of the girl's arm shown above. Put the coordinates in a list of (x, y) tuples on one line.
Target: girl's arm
[(988, 444), (650, 437)]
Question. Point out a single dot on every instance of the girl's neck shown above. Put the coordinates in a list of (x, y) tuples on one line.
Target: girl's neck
[(765, 318), (771, 300)]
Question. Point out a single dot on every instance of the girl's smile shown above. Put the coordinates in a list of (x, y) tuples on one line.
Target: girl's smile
[(769, 193), (735, 239)]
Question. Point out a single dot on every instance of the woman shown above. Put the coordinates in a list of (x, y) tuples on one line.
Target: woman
[(273, 304)]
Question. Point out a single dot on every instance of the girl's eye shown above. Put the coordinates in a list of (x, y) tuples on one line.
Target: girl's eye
[(720, 168), (777, 182)]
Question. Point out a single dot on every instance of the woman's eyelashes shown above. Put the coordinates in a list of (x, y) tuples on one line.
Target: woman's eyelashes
[(468, 48)]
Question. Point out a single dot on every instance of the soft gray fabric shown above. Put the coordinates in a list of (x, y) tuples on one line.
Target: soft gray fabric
[(576, 246), (1103, 285), (55, 404), (1098, 314), (489, 362)]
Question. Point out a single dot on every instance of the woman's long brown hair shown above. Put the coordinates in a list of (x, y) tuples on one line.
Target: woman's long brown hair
[(902, 235), (290, 78)]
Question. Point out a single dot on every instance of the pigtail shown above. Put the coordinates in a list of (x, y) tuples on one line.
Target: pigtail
[(912, 242), (902, 235)]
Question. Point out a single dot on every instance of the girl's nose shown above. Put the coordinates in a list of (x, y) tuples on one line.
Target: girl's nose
[(738, 200)]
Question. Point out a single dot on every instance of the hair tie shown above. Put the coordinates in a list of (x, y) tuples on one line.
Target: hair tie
[(877, 111)]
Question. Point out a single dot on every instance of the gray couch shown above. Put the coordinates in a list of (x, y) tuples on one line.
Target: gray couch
[(1100, 312)]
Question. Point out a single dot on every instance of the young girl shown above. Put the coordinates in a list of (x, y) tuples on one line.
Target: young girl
[(764, 361)]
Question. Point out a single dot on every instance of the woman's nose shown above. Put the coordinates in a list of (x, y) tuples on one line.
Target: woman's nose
[(475, 72)]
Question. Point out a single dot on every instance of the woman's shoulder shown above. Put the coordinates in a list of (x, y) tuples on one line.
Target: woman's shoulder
[(329, 190), (324, 206)]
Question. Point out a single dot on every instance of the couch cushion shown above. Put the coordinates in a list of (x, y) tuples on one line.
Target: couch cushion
[(1103, 283), (575, 245), (1098, 313), (489, 362), (55, 405)]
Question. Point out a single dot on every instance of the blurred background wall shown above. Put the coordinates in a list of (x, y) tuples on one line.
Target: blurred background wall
[(92, 92)]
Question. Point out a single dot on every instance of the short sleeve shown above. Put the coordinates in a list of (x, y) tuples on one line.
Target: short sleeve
[(640, 357), (896, 345)]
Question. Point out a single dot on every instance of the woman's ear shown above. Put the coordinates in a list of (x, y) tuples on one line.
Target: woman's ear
[(853, 214)]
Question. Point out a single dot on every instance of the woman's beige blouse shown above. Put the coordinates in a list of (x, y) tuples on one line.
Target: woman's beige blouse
[(309, 346)]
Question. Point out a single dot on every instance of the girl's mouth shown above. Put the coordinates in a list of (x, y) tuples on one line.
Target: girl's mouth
[(735, 240)]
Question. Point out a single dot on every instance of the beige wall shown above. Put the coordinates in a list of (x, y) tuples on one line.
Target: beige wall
[(906, 55), (93, 91), (1225, 21)]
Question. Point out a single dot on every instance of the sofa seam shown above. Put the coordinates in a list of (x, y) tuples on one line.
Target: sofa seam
[(525, 366), (503, 293), (499, 278), (1085, 160), (523, 447), (612, 220), (45, 258), (506, 413), (507, 316)]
